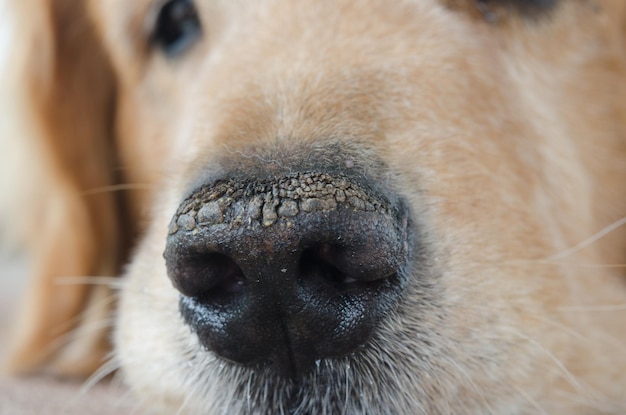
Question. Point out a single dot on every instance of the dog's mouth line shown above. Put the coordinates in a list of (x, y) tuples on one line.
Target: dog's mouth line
[(291, 369)]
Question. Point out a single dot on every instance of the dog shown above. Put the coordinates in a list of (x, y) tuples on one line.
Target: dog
[(325, 207)]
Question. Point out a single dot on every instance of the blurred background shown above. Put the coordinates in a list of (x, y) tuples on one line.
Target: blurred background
[(31, 395), (12, 263)]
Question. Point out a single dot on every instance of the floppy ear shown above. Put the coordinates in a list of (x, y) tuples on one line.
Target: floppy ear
[(69, 222)]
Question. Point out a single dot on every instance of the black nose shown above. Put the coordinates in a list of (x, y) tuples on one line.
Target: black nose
[(287, 270)]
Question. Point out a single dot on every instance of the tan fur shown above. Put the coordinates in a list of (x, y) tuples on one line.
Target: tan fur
[(71, 225), (507, 136)]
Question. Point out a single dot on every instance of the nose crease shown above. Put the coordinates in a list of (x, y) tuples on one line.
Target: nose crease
[(244, 203)]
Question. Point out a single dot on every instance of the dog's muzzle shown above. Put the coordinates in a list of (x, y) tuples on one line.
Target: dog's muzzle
[(287, 270)]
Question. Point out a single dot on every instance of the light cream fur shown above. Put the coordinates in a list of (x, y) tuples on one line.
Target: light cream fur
[(508, 138)]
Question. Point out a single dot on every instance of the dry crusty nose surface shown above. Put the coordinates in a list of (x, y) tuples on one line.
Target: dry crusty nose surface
[(287, 270)]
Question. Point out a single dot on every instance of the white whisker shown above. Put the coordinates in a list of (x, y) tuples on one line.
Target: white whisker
[(589, 241), (249, 394), (346, 402), (567, 375), (581, 264), (81, 331), (113, 282), (521, 392), (186, 400), (71, 326), (595, 308), (471, 382), (117, 188), (105, 370)]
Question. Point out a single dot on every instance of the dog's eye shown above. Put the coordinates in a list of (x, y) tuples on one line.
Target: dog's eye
[(177, 26)]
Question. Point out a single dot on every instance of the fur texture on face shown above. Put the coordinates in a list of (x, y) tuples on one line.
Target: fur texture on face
[(500, 123)]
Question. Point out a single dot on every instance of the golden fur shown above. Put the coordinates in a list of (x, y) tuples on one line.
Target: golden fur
[(507, 135)]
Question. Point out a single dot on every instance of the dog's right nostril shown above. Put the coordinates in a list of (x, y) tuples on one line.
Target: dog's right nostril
[(207, 276)]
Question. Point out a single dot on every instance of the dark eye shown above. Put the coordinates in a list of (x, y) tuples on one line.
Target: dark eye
[(177, 26)]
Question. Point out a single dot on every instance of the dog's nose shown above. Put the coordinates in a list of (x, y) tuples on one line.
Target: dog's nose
[(287, 270)]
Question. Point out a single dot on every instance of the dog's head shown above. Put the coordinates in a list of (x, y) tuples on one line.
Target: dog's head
[(339, 206)]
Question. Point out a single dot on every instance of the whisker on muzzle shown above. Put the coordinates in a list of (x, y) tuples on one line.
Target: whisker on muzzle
[(589, 241), (108, 374), (599, 308), (81, 330), (94, 319), (118, 188), (108, 368), (111, 282), (582, 389)]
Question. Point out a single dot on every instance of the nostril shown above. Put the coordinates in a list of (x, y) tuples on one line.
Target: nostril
[(338, 266), (317, 263), (207, 275)]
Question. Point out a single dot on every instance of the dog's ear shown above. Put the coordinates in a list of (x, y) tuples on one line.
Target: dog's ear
[(68, 218)]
